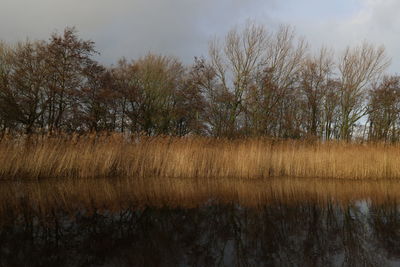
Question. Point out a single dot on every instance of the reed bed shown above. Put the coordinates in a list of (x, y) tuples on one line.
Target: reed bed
[(118, 155)]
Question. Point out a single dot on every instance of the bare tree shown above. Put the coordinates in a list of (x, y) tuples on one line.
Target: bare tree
[(315, 77), (67, 58), (127, 91), (151, 84), (5, 69), (384, 107), (330, 115), (190, 106), (358, 67), (272, 101), (217, 99), (97, 99), (22, 98), (234, 66)]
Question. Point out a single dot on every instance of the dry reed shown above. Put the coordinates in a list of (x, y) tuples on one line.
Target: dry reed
[(137, 156)]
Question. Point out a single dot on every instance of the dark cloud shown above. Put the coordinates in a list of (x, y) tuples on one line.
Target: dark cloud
[(131, 28), (183, 28)]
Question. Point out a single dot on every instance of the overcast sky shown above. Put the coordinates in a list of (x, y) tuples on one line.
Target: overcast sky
[(131, 28)]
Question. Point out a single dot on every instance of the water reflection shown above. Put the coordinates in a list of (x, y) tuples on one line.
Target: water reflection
[(217, 231)]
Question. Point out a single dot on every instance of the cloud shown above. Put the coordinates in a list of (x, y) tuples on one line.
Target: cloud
[(183, 28), (375, 21), (130, 28)]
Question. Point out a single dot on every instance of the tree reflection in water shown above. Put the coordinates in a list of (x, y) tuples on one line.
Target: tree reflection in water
[(277, 234), (216, 232)]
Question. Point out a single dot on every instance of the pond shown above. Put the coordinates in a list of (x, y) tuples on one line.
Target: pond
[(282, 222)]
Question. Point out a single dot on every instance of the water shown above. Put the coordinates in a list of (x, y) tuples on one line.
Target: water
[(278, 224), (278, 234)]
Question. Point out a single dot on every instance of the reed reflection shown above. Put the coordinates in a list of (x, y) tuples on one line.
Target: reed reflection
[(215, 226)]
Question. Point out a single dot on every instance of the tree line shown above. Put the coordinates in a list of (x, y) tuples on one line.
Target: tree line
[(253, 82)]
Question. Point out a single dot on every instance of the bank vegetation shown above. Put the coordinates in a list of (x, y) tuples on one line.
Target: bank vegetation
[(136, 156)]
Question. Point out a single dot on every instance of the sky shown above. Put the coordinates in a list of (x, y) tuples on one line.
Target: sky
[(183, 28)]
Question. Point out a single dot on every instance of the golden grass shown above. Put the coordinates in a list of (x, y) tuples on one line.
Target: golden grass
[(192, 157)]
